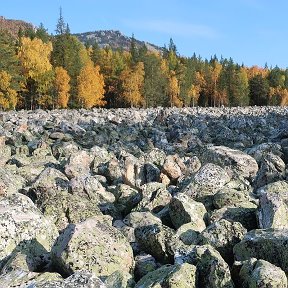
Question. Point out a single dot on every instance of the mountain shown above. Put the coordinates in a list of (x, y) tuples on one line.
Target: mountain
[(114, 39), (13, 26)]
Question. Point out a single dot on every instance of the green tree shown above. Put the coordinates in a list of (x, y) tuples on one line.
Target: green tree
[(259, 90)]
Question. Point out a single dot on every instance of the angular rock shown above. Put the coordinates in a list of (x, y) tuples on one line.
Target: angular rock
[(260, 273), (78, 164), (154, 240), (119, 279), (183, 209), (228, 197), (127, 199), (267, 244), (173, 167), (138, 219), (206, 183), (223, 235), (144, 263), (235, 162), (93, 245), (272, 169), (243, 212), (23, 228), (187, 234), (212, 270), (170, 276), (273, 209), (155, 197)]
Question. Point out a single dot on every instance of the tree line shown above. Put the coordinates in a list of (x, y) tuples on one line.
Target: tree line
[(38, 70)]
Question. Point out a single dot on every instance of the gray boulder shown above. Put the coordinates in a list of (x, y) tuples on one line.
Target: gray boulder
[(170, 276), (266, 244), (144, 263), (259, 273), (235, 162), (243, 212), (155, 240), (206, 183), (78, 164), (212, 270), (24, 229), (223, 235), (272, 169), (93, 245), (273, 209), (183, 209)]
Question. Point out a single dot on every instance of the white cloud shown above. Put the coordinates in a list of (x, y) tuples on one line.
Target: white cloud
[(174, 28)]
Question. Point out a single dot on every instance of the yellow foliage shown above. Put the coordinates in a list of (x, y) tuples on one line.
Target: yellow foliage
[(174, 91), (8, 96), (132, 84), (62, 87), (91, 86), (194, 93), (34, 56)]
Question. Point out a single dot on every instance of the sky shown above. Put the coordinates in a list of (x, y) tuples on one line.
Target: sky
[(252, 32)]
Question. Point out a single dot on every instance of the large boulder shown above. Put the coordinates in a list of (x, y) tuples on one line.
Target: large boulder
[(243, 212), (154, 197), (272, 169), (78, 164), (23, 228), (267, 244), (206, 183), (212, 270), (170, 276), (93, 245), (229, 196), (183, 209), (235, 162), (258, 273), (155, 240), (223, 235), (273, 209)]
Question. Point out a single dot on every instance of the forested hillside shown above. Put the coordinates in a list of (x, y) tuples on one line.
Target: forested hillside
[(38, 70)]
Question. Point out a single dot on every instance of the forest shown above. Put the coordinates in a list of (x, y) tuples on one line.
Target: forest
[(38, 70)]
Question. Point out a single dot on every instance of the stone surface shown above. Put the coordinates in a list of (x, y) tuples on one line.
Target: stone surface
[(23, 228), (74, 165), (266, 244), (223, 235), (183, 209), (93, 245), (170, 276)]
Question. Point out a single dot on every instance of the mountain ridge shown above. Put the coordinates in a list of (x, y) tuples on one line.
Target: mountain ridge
[(111, 38), (114, 39)]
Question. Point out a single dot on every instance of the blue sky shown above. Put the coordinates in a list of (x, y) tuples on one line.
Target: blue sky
[(252, 32)]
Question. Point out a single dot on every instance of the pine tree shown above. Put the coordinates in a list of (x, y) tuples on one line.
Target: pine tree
[(61, 26)]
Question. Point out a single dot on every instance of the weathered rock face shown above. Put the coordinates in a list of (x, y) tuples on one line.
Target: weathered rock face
[(258, 273), (212, 270), (266, 244), (235, 162), (184, 210), (223, 236), (170, 276), (93, 245), (166, 179), (23, 228)]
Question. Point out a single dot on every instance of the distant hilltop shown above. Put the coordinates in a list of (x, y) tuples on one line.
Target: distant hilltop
[(114, 39), (13, 26)]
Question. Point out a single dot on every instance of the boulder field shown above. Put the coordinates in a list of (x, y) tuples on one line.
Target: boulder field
[(123, 198)]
